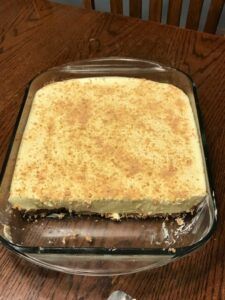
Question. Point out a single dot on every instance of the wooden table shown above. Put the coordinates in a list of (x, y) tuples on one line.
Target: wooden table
[(34, 36)]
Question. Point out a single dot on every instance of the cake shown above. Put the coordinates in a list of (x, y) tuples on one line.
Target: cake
[(110, 146)]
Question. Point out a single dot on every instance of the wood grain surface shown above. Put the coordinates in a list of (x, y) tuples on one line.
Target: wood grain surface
[(215, 10), (116, 6), (34, 36), (174, 12), (194, 14), (89, 4), (155, 10), (135, 8)]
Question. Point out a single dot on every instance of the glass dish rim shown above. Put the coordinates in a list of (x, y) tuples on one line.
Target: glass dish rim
[(180, 251)]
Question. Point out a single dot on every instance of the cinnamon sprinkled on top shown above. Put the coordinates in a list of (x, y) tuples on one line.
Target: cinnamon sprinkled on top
[(109, 138)]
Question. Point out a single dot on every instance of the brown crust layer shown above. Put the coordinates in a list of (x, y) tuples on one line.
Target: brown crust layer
[(61, 213)]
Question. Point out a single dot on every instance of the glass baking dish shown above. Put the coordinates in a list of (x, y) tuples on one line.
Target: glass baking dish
[(92, 245)]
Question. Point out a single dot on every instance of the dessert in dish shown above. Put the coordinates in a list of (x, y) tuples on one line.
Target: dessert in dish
[(111, 146)]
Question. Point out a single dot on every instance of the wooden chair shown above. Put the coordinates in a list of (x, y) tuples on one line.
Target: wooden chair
[(173, 13)]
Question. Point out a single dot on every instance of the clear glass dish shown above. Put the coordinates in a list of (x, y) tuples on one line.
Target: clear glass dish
[(93, 245)]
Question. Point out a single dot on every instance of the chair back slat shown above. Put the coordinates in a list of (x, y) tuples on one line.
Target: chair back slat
[(116, 6), (135, 8), (89, 4), (155, 10), (174, 12), (214, 14), (194, 14)]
